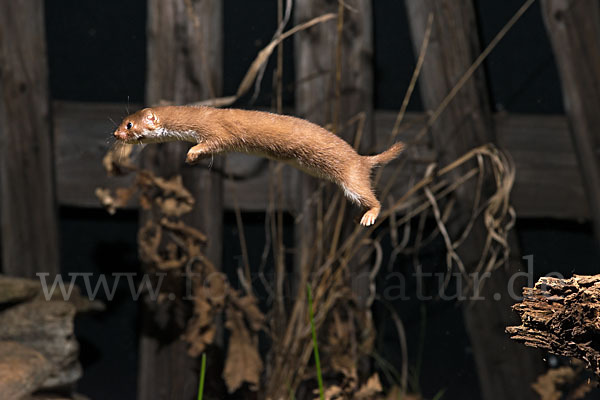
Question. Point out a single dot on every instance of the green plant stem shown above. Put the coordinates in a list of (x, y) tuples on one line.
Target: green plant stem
[(202, 373), (314, 338)]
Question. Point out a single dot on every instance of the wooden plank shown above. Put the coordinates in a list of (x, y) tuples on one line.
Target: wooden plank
[(548, 181), (574, 30), (467, 123), (27, 198), (185, 44)]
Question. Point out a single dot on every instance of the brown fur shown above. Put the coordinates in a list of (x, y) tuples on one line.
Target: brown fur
[(298, 142)]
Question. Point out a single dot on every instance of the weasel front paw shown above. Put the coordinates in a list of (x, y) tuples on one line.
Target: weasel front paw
[(193, 157)]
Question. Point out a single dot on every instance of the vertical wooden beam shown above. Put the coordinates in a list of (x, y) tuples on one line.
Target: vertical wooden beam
[(574, 30), (185, 40), (185, 64), (505, 371), (317, 93), (27, 197), (315, 57)]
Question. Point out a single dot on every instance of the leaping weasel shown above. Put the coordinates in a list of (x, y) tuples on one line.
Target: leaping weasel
[(295, 141)]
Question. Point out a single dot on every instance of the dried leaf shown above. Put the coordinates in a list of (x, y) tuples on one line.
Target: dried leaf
[(580, 391), (173, 187), (548, 384), (210, 292), (106, 200), (117, 159), (243, 363), (370, 388), (331, 393), (172, 207), (256, 319), (182, 228), (119, 200)]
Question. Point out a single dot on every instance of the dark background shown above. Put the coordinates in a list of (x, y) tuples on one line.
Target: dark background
[(97, 54)]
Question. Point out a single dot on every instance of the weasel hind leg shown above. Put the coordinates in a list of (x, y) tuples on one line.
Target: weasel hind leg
[(364, 196)]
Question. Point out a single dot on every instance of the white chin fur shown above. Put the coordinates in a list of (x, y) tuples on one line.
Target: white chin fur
[(166, 135), (161, 135)]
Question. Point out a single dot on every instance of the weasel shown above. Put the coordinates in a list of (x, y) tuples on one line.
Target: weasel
[(295, 141)]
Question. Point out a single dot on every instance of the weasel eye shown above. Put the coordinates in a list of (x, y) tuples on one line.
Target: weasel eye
[(129, 125)]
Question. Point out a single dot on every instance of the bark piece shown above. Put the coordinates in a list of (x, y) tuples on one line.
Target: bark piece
[(47, 327), (15, 290), (243, 364), (22, 370), (562, 316)]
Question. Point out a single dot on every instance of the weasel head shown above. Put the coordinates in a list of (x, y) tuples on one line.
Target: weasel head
[(140, 127)]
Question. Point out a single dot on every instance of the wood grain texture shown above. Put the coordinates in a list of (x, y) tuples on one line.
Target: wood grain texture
[(27, 198), (185, 44), (467, 123), (574, 31)]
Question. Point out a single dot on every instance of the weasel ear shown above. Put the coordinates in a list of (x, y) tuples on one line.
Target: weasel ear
[(151, 119)]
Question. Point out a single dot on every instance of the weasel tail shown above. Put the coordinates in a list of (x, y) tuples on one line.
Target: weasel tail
[(386, 156)]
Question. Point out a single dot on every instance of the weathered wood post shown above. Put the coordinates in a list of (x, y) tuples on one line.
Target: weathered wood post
[(465, 124), (574, 31), (27, 197), (317, 93), (184, 65)]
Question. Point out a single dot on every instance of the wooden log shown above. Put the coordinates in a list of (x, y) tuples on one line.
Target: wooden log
[(467, 123), (561, 316), (574, 30), (27, 198), (185, 42)]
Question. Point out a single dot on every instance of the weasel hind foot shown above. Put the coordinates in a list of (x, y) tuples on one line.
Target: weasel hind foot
[(369, 217)]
